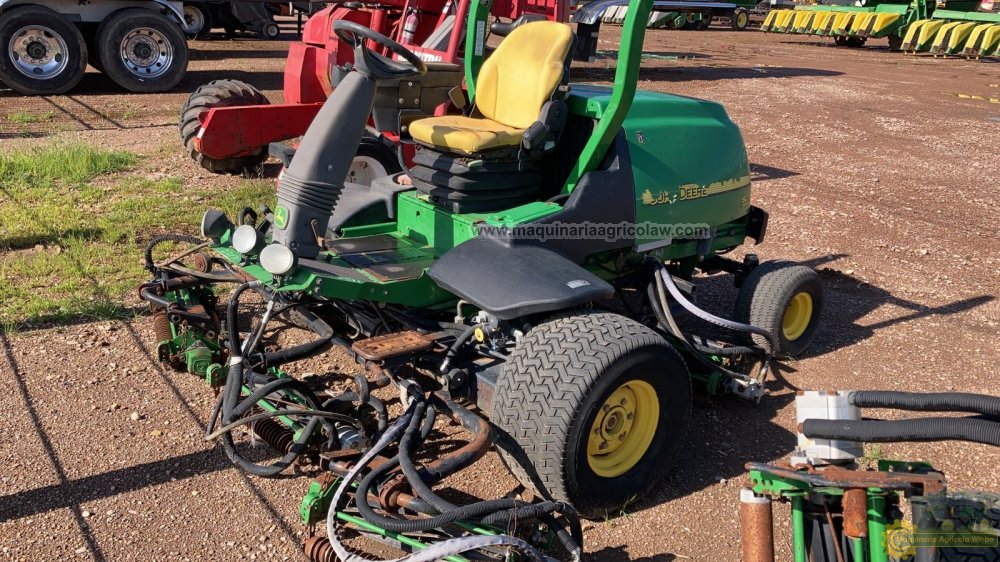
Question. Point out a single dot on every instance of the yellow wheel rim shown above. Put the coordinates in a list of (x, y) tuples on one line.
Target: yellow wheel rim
[(623, 429), (798, 313)]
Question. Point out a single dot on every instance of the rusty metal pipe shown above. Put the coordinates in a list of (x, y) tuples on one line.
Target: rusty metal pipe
[(756, 522)]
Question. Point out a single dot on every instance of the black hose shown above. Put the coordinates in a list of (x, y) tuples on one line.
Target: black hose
[(457, 346), (668, 281), (157, 240), (244, 406), (928, 402), (976, 430), (303, 350)]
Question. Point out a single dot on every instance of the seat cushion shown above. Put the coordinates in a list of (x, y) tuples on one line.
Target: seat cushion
[(456, 133)]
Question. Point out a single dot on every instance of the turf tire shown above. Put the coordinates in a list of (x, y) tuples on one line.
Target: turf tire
[(549, 394), (765, 295)]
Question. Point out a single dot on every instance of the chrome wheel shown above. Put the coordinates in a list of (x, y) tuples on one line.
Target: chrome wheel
[(194, 20), (146, 53), (38, 52)]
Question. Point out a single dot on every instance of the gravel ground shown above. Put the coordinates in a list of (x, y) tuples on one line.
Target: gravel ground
[(878, 169)]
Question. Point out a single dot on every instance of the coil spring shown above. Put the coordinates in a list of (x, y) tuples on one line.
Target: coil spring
[(277, 436), (318, 549), (161, 326)]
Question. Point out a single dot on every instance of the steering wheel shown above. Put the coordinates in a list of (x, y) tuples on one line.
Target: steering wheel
[(372, 64)]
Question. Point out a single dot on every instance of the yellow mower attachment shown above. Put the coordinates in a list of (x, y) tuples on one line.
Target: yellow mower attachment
[(784, 21), (801, 21), (842, 23), (920, 34), (770, 20), (952, 37), (983, 41), (822, 22)]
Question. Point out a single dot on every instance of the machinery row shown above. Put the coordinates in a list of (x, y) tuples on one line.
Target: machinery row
[(969, 28)]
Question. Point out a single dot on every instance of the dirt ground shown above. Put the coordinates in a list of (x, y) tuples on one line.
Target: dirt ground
[(878, 169)]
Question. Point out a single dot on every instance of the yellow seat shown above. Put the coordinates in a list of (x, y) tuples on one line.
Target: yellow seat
[(513, 85)]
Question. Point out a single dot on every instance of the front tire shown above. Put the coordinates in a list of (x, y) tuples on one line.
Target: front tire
[(220, 93), (785, 299), (43, 54), (142, 51), (592, 407)]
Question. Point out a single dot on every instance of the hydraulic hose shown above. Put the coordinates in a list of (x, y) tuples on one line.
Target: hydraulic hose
[(304, 350), (433, 552), (157, 240), (709, 317), (973, 429), (930, 402), (457, 346)]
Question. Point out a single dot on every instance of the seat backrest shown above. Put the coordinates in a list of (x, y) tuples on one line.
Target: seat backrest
[(523, 72)]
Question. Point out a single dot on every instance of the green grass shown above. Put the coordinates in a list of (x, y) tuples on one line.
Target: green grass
[(74, 220), (25, 118)]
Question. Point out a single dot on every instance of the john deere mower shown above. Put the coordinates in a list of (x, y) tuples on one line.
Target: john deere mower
[(531, 277)]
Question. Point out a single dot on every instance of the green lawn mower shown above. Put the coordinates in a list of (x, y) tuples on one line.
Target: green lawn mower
[(530, 269)]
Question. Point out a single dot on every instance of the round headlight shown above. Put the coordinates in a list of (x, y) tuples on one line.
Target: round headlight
[(214, 224), (247, 239), (277, 259)]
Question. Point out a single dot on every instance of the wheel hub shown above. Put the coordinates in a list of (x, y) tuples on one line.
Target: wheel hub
[(38, 52), (623, 429), (146, 53), (798, 313)]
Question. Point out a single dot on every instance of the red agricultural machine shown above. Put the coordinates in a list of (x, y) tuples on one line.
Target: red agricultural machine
[(227, 125)]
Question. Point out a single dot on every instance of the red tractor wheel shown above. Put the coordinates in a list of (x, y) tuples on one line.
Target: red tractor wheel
[(220, 93)]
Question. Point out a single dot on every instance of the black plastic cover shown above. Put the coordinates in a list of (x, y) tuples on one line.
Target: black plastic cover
[(514, 281)]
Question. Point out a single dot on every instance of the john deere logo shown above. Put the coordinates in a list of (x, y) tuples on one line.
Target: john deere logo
[(281, 218)]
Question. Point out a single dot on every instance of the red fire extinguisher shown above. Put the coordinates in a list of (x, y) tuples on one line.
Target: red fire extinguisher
[(410, 27)]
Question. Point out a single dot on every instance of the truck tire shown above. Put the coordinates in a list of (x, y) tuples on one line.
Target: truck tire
[(591, 409), (785, 299), (740, 19), (142, 50), (199, 17), (220, 93), (44, 54)]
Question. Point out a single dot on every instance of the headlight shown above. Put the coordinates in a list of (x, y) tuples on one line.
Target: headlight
[(277, 259), (214, 224), (247, 240)]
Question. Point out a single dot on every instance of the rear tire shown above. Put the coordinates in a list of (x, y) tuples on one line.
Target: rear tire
[(220, 93), (373, 160), (43, 53), (785, 299), (592, 407), (142, 51), (740, 19)]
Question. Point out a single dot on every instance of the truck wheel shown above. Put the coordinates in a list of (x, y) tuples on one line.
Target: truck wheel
[(44, 53), (591, 409), (220, 93), (784, 299), (372, 161), (142, 51), (198, 19), (740, 19)]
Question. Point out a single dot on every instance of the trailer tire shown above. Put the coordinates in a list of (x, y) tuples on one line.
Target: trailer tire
[(740, 19), (785, 299), (570, 387), (142, 50), (220, 93), (57, 44)]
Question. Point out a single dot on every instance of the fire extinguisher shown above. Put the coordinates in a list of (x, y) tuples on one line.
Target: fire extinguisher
[(410, 27)]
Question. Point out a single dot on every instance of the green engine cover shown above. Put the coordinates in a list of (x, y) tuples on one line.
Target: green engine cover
[(689, 162)]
